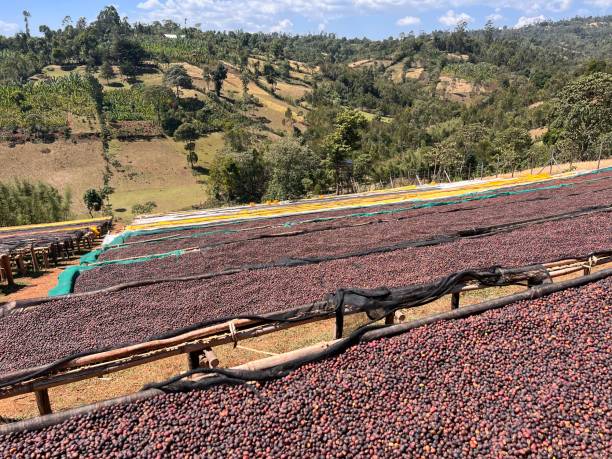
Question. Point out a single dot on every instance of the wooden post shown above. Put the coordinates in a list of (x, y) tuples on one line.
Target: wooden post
[(390, 319), (45, 256), (43, 402), (193, 359), (20, 265), (455, 300), (5, 264), (34, 259), (587, 270)]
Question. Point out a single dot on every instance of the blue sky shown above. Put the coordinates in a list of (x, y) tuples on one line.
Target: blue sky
[(370, 18)]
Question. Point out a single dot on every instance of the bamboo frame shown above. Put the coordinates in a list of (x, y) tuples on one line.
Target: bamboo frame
[(203, 340)]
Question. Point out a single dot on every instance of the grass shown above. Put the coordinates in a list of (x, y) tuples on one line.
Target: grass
[(63, 164), (371, 116), (157, 171)]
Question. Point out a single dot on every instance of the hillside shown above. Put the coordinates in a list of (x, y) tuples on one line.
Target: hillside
[(343, 114)]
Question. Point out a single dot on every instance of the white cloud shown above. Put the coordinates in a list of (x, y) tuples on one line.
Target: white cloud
[(419, 4), (559, 5), (282, 26), (600, 3), (452, 19), (408, 20), (495, 17), (252, 15), (8, 28), (149, 4), (526, 21), (260, 15)]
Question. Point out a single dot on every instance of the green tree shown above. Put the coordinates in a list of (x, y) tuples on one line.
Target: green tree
[(218, 76), (23, 203), (245, 78), (177, 77), (188, 133), (293, 169), (343, 142), (513, 146), (206, 75), (93, 200), (583, 111), (125, 51), (26, 20), (192, 156), (159, 97), (128, 70), (271, 76), (238, 177)]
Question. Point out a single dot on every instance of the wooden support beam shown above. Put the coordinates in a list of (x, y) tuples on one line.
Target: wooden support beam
[(400, 316), (43, 402)]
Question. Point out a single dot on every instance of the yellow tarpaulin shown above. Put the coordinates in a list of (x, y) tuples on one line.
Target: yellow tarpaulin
[(391, 196)]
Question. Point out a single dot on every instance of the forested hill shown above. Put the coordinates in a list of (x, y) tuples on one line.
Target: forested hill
[(297, 115), (570, 41)]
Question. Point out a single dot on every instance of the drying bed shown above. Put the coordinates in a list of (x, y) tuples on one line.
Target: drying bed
[(531, 378), (340, 243), (413, 223), (79, 323), (577, 181)]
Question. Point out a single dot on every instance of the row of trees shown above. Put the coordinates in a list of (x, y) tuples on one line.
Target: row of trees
[(25, 203), (342, 147)]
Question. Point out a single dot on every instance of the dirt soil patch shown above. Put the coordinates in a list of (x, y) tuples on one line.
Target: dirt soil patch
[(458, 89)]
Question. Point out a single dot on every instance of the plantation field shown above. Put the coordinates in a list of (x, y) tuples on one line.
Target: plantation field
[(150, 76), (46, 105)]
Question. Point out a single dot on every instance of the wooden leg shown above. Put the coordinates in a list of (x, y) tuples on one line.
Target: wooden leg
[(193, 359), (43, 402), (455, 301), (21, 265), (5, 264), (390, 319), (34, 260)]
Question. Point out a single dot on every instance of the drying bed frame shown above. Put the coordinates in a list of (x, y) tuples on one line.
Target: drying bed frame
[(198, 342)]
